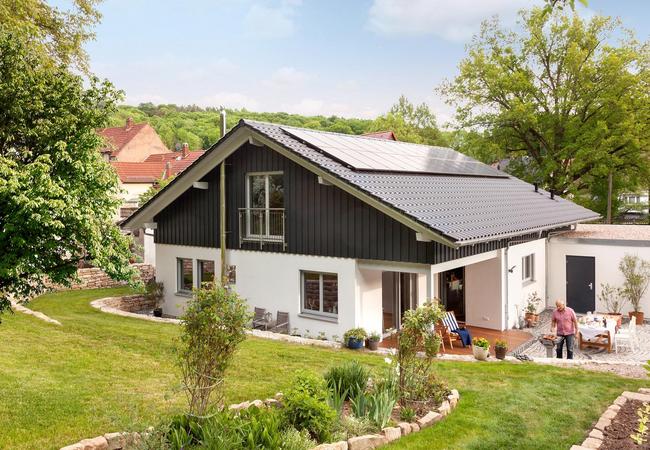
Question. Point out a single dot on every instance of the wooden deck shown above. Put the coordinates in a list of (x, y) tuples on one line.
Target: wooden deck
[(514, 338)]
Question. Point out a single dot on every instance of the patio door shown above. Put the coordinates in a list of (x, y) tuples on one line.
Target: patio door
[(452, 291), (580, 283), (399, 294)]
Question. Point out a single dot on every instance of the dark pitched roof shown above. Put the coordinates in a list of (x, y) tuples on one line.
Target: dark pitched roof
[(462, 209), (465, 209)]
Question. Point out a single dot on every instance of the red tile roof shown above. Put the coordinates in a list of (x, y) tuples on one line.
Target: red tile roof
[(179, 165), (382, 135), (138, 172), (118, 137)]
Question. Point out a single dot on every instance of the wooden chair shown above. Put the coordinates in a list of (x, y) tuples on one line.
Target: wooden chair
[(282, 323), (259, 319), (449, 323)]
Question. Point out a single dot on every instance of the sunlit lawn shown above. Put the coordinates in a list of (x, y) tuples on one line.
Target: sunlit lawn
[(99, 373)]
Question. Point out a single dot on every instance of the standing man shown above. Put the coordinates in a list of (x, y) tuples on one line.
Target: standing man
[(566, 323)]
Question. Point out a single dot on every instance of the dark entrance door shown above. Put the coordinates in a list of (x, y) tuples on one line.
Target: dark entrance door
[(452, 291), (580, 283)]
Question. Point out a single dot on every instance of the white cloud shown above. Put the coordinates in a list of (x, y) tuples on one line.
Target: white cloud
[(286, 77), (314, 107), (271, 22), (230, 100), (145, 98), (455, 20)]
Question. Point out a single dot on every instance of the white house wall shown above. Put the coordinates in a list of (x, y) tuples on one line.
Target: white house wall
[(272, 281), (607, 256), (483, 296), (370, 312)]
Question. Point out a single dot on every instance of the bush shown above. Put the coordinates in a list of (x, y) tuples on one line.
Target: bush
[(213, 325), (293, 439), (349, 427), (306, 408), (350, 376), (407, 414)]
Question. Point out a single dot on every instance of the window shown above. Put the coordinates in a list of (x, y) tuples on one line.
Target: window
[(185, 275), (528, 268), (206, 272), (320, 293), (265, 204)]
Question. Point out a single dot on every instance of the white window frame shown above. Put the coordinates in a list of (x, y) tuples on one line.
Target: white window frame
[(199, 270), (267, 219), (528, 265), (179, 276), (311, 312)]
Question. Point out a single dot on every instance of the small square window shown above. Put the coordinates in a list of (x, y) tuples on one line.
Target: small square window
[(528, 268), (206, 272), (320, 293), (185, 275)]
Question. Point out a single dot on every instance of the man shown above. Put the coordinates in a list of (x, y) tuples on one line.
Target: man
[(564, 320)]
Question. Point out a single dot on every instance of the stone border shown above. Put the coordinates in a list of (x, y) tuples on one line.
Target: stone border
[(109, 305), (595, 438), (108, 441), (39, 315)]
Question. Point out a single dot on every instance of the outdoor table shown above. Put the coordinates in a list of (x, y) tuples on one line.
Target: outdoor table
[(595, 334)]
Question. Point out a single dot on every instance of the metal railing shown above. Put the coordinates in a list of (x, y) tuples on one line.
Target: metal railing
[(262, 225)]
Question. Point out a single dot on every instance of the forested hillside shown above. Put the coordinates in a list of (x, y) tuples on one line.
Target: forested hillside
[(199, 127)]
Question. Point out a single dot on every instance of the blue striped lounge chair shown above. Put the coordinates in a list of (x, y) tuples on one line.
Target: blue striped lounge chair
[(450, 325)]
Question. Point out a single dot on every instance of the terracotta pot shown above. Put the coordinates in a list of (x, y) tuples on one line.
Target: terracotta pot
[(639, 316), (500, 352), (531, 319), (619, 318), (372, 345), (480, 353)]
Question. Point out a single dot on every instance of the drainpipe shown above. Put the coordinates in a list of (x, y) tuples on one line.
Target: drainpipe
[(222, 206), (506, 250)]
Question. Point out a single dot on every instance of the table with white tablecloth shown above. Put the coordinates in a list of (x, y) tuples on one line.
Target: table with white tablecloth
[(597, 334)]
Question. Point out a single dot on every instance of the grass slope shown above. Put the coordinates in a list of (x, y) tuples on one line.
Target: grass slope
[(99, 373)]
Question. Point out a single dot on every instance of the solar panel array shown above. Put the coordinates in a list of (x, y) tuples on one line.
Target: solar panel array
[(372, 154)]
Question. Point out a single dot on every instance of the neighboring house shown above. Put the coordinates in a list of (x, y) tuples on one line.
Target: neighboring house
[(382, 135), (345, 231), (133, 142), (591, 255)]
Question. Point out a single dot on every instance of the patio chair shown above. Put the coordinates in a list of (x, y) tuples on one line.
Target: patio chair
[(627, 336), (452, 329), (259, 318), (282, 323)]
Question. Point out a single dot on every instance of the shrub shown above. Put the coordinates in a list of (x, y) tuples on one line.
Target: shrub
[(407, 414), (612, 298), (349, 427), (293, 439), (636, 272), (351, 376), (306, 408), (213, 325)]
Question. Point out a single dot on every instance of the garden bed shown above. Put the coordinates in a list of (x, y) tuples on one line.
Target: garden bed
[(625, 424)]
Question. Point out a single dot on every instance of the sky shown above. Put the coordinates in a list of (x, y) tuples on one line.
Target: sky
[(351, 58)]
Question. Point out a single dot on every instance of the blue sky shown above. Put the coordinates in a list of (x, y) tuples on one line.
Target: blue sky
[(351, 58)]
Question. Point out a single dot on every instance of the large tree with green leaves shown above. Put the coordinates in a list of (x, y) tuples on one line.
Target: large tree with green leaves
[(561, 97), (57, 196)]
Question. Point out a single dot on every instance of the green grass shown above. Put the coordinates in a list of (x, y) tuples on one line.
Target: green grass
[(99, 373)]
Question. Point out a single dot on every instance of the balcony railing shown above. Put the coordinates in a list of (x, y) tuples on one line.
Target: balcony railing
[(262, 226)]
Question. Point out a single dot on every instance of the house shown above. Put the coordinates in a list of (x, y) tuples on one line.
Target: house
[(388, 134), (344, 231), (133, 142)]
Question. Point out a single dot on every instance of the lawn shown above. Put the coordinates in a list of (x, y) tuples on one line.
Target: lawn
[(100, 373)]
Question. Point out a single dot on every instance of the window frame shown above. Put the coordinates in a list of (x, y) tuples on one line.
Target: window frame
[(179, 276), (528, 268), (267, 218), (199, 271), (320, 312)]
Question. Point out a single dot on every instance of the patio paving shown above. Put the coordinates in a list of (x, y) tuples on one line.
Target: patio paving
[(534, 348)]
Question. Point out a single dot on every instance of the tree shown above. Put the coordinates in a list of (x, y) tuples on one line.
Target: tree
[(560, 95), (57, 196), (153, 190), (59, 33), (410, 123)]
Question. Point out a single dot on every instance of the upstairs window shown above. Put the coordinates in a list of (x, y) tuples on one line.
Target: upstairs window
[(265, 204), (528, 268), (320, 293)]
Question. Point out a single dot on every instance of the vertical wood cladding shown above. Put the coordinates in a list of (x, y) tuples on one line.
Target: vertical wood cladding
[(320, 220)]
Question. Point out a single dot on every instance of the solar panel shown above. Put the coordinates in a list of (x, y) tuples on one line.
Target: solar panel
[(373, 154)]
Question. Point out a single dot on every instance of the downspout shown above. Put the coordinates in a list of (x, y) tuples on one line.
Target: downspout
[(507, 279), (222, 206)]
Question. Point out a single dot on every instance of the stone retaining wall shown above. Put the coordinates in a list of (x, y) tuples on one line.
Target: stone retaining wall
[(130, 303), (95, 278)]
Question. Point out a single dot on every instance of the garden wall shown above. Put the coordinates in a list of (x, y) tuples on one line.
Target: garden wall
[(95, 278)]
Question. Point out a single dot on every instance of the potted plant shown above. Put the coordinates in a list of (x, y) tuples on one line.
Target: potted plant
[(613, 300), (500, 349), (373, 341), (154, 293), (636, 272), (355, 337), (531, 309), (480, 348)]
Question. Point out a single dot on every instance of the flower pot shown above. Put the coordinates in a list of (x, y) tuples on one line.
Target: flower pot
[(480, 353), (355, 343), (157, 312), (619, 318), (639, 316), (531, 319), (372, 345), (500, 352)]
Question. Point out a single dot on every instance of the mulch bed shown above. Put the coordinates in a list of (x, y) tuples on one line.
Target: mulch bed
[(617, 435)]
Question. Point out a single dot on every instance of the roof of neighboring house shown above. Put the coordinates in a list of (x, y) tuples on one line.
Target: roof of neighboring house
[(138, 172), (610, 232), (118, 137), (382, 135), (179, 165), (458, 209)]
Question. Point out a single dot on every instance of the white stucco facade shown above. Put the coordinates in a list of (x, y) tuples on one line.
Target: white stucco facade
[(607, 254)]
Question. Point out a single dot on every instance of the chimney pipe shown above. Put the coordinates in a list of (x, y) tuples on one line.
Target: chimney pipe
[(536, 187), (552, 194), (185, 150)]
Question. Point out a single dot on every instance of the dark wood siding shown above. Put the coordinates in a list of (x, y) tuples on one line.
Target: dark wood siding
[(320, 220)]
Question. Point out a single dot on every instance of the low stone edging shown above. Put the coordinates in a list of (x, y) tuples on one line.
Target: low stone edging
[(126, 305), (22, 309), (108, 441), (595, 438)]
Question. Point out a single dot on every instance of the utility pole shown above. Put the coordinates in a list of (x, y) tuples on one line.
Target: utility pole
[(222, 207)]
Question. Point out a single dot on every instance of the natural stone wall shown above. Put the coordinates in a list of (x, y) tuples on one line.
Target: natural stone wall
[(95, 278), (108, 441), (130, 303)]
